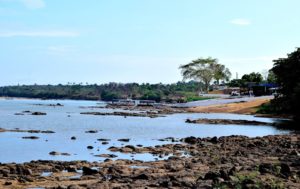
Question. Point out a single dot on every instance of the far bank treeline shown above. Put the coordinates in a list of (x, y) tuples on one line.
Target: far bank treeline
[(177, 92)]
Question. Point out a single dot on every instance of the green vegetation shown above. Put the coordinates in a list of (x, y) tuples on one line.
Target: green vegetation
[(286, 72), (267, 108), (205, 70), (252, 78), (178, 92), (190, 96)]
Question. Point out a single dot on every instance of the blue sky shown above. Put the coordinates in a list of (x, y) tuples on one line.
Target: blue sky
[(97, 41)]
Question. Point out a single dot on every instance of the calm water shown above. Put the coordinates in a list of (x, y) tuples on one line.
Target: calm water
[(67, 121)]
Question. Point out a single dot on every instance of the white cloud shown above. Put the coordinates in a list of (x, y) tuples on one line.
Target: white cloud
[(34, 4), (240, 22), (39, 34), (61, 49)]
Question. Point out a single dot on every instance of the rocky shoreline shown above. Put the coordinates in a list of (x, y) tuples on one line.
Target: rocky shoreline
[(225, 162), (229, 122)]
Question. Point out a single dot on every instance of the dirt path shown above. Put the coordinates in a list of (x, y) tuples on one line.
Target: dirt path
[(248, 107)]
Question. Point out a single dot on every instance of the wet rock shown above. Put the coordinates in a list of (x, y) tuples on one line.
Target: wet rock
[(38, 113), (71, 169), (89, 171), (73, 138), (7, 183), (47, 132), (285, 169), (91, 131), (124, 140), (141, 177), (104, 143), (30, 137), (90, 147), (211, 176), (103, 139), (107, 155), (227, 122), (266, 168), (214, 140), (295, 153), (65, 154), (191, 140), (53, 153)]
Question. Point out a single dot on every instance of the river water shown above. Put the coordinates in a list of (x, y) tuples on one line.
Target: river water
[(66, 121)]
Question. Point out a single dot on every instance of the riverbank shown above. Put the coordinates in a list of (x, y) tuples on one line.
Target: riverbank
[(238, 107), (227, 162)]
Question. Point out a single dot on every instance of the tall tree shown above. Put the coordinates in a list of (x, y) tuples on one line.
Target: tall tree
[(287, 72), (205, 70), (221, 73), (253, 77)]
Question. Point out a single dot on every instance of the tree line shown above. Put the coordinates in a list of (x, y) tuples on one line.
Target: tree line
[(177, 92)]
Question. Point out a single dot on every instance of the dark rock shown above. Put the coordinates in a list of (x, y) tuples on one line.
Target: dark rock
[(191, 140), (7, 183), (91, 131), (30, 137), (49, 132), (90, 147), (266, 168), (38, 113), (214, 140), (103, 139), (89, 171), (53, 153), (141, 177), (71, 169), (124, 140), (211, 176), (73, 138), (285, 170)]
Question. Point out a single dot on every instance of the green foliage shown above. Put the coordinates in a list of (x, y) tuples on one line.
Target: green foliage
[(266, 108), (287, 72), (108, 95), (190, 96), (237, 83), (271, 77), (253, 77), (205, 70), (107, 92)]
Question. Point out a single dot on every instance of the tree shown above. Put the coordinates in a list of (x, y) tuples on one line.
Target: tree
[(236, 83), (287, 71), (221, 73), (271, 77), (253, 77), (205, 70)]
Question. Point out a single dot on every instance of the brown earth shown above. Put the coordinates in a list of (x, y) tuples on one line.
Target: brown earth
[(239, 107)]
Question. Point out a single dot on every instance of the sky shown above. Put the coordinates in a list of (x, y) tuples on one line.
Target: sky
[(101, 41)]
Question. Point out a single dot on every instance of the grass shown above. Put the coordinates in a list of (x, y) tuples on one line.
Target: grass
[(191, 96)]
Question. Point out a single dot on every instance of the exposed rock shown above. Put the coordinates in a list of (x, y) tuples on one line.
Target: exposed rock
[(227, 122), (107, 155), (91, 131), (30, 137), (38, 113), (124, 140), (89, 171)]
